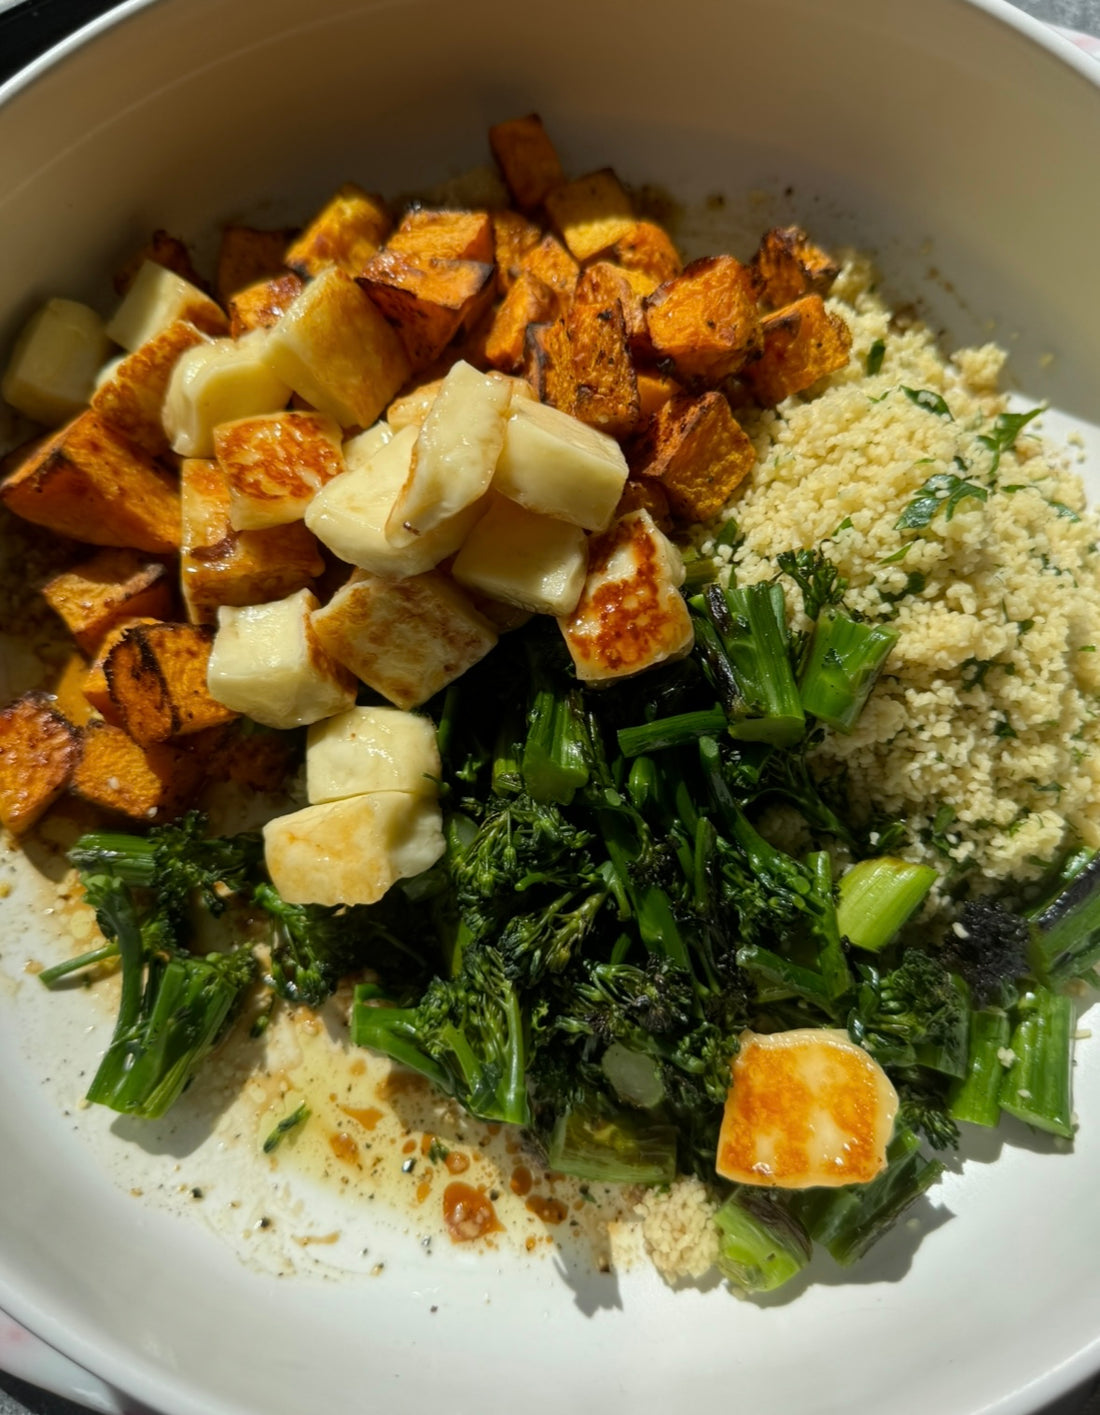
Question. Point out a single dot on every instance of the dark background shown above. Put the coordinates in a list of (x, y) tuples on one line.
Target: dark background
[(29, 29)]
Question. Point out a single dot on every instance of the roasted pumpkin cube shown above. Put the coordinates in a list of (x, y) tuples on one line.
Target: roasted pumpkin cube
[(527, 158), (154, 782), (220, 565), (548, 364), (262, 305), (130, 398), (406, 639), (554, 266), (788, 265), (646, 494), (592, 213), (648, 249), (275, 463), (95, 687), (335, 348), (248, 255), (699, 452), (528, 301), (67, 689), (802, 343), (513, 237), (705, 320), (602, 284), (162, 248), (655, 389), (92, 483), (39, 751), (346, 232), (156, 677), (426, 234), (606, 393), (427, 302), (113, 585)]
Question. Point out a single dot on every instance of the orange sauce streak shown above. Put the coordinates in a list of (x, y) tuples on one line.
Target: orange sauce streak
[(549, 1210), (344, 1147), (468, 1213), (366, 1116)]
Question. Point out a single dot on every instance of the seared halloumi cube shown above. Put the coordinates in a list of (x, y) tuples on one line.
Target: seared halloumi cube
[(352, 851), (267, 663), (554, 464), (275, 464), (336, 350), (358, 450), (806, 1108), (130, 393), (406, 639), (219, 382), (157, 298), (52, 369), (350, 513), (534, 562), (414, 406), (371, 749), (455, 454), (219, 565), (631, 615)]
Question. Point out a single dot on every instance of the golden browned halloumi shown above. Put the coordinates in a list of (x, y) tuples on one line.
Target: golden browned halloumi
[(535, 563), (52, 368), (130, 398), (553, 464), (113, 585), (631, 615), (805, 1108), (89, 482), (802, 343), (406, 639), (157, 298), (527, 158), (591, 213), (705, 319), (371, 749), (275, 463), (39, 751), (346, 232)]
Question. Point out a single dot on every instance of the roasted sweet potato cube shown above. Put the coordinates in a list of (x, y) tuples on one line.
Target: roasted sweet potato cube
[(788, 265), (606, 394), (528, 301), (346, 232), (548, 364), (513, 237), (92, 483), (39, 750), (648, 249), (603, 283), (259, 306), (428, 302), (219, 565), (426, 234), (248, 255), (705, 320), (132, 396), (162, 248), (655, 389), (95, 687), (646, 494), (113, 585), (591, 213), (154, 782), (527, 158), (698, 451), (802, 343), (67, 689), (156, 676), (554, 266)]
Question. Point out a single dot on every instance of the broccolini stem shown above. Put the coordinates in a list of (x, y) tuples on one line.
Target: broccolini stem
[(1065, 938), (843, 663), (130, 858), (51, 976), (783, 976), (975, 1098), (830, 959), (593, 1140), (751, 626), (673, 731), (761, 1245), (1037, 1088), (877, 897)]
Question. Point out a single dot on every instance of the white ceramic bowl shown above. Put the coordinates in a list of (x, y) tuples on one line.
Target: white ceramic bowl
[(943, 134)]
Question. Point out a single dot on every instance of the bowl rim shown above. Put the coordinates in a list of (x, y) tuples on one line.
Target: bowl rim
[(132, 1374)]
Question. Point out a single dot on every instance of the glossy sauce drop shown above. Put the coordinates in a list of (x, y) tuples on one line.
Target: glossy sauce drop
[(344, 1147), (551, 1211), (520, 1182), (468, 1213)]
